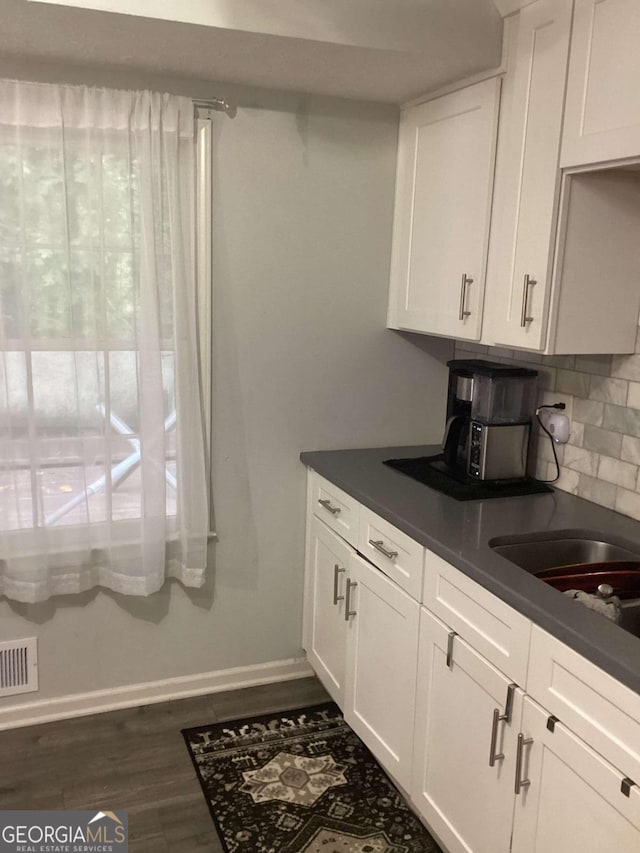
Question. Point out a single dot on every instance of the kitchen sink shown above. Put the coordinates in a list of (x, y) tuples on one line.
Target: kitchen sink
[(579, 551), (535, 552)]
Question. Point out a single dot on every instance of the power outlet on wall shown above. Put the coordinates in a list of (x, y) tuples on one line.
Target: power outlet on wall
[(556, 421), (558, 425)]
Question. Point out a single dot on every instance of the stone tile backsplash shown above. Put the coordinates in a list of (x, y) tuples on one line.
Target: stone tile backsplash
[(601, 461)]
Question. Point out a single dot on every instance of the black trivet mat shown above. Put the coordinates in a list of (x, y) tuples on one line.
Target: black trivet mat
[(431, 471), (300, 782)]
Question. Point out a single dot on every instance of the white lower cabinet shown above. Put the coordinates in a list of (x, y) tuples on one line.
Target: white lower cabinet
[(328, 558), (494, 772), (434, 698), (572, 800), (593, 705), (361, 638), (467, 719), (382, 652)]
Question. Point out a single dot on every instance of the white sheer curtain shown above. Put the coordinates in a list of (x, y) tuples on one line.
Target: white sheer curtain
[(102, 453)]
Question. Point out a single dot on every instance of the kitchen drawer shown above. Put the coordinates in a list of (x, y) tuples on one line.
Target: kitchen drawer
[(599, 709), (497, 631), (336, 508), (400, 557)]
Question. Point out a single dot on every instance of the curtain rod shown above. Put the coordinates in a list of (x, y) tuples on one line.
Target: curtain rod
[(218, 104)]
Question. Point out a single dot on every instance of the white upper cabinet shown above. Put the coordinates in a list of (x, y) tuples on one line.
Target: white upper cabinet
[(527, 177), (546, 259), (444, 185), (563, 258), (602, 117)]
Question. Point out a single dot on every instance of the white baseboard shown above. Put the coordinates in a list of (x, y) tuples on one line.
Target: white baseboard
[(146, 693)]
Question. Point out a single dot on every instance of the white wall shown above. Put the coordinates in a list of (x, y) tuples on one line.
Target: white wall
[(303, 211)]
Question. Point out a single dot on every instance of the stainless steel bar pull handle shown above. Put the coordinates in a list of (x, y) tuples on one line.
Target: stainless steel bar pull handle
[(521, 783), (450, 638), (347, 604), (378, 544), (493, 755), (466, 280), (505, 717), (337, 571), (528, 283), (326, 503)]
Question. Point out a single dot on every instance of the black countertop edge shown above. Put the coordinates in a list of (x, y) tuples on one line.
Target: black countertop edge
[(459, 532)]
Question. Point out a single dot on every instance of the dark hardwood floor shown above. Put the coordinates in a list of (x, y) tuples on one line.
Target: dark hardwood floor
[(135, 760)]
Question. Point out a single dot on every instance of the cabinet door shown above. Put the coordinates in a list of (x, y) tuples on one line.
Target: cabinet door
[(497, 631), (595, 706), (467, 802), (602, 116), (382, 649), (527, 177), (325, 626), (573, 801), (444, 184)]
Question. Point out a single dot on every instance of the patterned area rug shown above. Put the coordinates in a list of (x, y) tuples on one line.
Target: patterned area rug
[(300, 782)]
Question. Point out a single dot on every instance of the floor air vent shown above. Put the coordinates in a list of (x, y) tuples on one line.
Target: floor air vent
[(18, 666)]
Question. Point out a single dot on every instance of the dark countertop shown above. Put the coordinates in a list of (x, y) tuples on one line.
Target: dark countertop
[(459, 532)]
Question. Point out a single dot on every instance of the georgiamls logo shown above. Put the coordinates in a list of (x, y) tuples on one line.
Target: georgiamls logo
[(100, 815), (64, 831), (105, 833)]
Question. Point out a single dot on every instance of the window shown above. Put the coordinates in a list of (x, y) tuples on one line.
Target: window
[(101, 404)]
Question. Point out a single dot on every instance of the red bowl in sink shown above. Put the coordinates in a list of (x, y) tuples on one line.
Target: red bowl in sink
[(622, 575)]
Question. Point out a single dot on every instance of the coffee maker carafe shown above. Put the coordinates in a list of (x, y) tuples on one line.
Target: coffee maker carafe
[(489, 407), (455, 445)]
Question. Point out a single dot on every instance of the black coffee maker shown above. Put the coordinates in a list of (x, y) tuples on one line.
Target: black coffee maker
[(459, 399), (489, 408), (486, 442)]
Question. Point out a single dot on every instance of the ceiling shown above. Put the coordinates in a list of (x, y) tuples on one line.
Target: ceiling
[(379, 50)]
